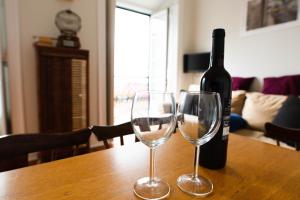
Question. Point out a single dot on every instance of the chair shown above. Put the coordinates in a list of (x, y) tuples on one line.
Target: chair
[(104, 133), (14, 149), (145, 123), (288, 135)]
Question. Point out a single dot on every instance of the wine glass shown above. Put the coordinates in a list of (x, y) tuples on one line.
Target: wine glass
[(199, 118), (153, 118)]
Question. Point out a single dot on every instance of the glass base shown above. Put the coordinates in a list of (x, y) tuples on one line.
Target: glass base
[(198, 186), (156, 189)]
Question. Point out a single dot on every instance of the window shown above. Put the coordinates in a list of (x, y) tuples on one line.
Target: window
[(131, 70), (141, 43)]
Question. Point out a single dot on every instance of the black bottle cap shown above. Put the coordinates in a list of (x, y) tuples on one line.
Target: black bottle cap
[(219, 32)]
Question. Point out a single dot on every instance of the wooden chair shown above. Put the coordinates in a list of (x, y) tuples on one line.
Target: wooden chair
[(14, 149), (283, 134), (104, 133), (144, 123)]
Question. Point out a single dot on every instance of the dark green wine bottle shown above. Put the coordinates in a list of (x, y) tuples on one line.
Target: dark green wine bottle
[(213, 154)]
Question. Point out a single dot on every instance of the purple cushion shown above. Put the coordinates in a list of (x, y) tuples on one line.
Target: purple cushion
[(240, 83), (275, 85), (284, 85), (294, 83)]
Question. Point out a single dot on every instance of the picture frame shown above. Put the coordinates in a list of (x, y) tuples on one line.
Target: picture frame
[(261, 16)]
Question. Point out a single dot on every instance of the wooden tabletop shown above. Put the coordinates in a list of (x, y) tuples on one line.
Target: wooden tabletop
[(254, 170)]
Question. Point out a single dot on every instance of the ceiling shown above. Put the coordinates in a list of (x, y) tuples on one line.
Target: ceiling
[(150, 5)]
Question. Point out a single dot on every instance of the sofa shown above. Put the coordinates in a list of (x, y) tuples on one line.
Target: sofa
[(254, 109)]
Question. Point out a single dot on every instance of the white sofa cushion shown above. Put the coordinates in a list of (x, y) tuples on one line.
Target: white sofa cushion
[(194, 88), (237, 101), (261, 108)]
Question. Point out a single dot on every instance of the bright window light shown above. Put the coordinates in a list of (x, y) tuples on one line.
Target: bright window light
[(131, 69)]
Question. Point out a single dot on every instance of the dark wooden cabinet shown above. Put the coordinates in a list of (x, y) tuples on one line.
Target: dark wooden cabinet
[(62, 89)]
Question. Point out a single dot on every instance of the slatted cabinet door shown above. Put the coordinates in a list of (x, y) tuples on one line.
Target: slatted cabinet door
[(62, 89), (79, 94)]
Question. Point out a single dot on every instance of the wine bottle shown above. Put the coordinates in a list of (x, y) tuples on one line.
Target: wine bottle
[(213, 154)]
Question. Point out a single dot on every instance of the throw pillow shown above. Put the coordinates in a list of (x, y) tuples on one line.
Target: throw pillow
[(237, 101), (288, 114), (240, 83), (261, 108), (194, 88), (236, 122), (294, 85), (284, 85)]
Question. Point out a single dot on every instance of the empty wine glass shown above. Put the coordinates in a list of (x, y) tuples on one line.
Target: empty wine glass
[(153, 118), (199, 117)]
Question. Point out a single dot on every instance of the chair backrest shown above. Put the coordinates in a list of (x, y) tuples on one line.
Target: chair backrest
[(103, 133), (283, 134), (145, 123), (20, 145)]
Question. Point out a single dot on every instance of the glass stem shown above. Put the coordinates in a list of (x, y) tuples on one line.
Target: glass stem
[(196, 161), (151, 175)]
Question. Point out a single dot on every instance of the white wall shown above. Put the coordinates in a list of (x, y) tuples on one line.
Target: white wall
[(37, 19), (274, 53), (186, 39)]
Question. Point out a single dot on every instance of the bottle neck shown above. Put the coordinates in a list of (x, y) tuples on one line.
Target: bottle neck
[(217, 53)]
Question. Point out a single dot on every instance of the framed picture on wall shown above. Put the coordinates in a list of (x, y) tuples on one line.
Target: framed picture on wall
[(268, 15)]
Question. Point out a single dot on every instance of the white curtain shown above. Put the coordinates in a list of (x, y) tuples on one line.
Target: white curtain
[(110, 27), (16, 86), (2, 99), (2, 52)]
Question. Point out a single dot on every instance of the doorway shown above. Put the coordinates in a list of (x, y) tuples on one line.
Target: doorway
[(140, 57)]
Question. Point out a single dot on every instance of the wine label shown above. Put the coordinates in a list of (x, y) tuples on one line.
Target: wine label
[(226, 125), (225, 132)]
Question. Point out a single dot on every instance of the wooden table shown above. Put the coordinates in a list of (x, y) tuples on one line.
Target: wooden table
[(254, 170)]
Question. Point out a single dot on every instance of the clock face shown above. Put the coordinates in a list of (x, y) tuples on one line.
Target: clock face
[(68, 21)]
